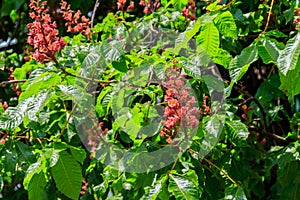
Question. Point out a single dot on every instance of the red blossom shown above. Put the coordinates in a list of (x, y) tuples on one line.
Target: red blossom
[(75, 23), (43, 33), (180, 109)]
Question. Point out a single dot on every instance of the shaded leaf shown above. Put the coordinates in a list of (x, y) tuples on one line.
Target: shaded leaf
[(67, 175), (184, 186), (289, 56), (268, 51), (240, 64), (36, 186)]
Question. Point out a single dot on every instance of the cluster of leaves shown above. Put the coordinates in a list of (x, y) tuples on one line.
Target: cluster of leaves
[(44, 154)]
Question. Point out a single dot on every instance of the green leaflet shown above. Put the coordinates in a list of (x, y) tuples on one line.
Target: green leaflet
[(226, 25), (36, 186), (236, 132), (14, 116), (235, 193), (268, 51), (184, 186), (157, 190), (185, 37), (240, 64), (289, 56), (44, 81), (290, 82), (222, 57), (209, 39), (67, 175)]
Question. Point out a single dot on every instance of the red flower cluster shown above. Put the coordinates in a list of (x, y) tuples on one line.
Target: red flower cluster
[(297, 19), (149, 8), (73, 24), (189, 11), (181, 110), (43, 33), (121, 5)]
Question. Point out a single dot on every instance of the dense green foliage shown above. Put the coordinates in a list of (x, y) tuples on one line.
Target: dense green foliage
[(70, 118)]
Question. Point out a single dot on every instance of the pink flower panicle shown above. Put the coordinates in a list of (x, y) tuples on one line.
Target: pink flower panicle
[(189, 11), (148, 8), (297, 18), (181, 111), (43, 33), (121, 5), (75, 22)]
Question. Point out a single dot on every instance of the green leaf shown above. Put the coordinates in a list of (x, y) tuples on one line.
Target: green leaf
[(37, 104), (186, 36), (120, 65), (1, 183), (155, 191), (209, 39), (78, 153), (290, 83), (45, 81), (226, 25), (184, 186), (222, 57), (268, 51), (25, 153), (8, 5), (235, 193), (33, 169), (289, 56), (13, 116), (67, 175), (240, 64), (237, 132), (113, 50), (36, 186)]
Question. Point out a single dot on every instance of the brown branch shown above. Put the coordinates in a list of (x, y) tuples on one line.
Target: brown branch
[(4, 83), (269, 16), (272, 136), (97, 4)]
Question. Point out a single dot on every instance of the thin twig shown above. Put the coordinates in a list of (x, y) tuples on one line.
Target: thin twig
[(4, 83), (269, 16), (270, 135), (218, 168), (97, 4), (87, 79)]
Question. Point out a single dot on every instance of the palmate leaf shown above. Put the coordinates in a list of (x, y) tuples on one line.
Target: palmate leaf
[(184, 186), (226, 25), (209, 39), (268, 51), (13, 116), (36, 186), (289, 56), (240, 64), (67, 175)]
